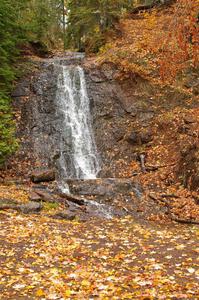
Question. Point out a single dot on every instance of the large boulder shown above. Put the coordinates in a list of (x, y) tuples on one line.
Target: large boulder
[(26, 208), (43, 175), (66, 215), (34, 197)]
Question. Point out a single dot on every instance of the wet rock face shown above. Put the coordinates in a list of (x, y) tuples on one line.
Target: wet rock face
[(47, 132), (41, 121), (115, 106), (39, 127)]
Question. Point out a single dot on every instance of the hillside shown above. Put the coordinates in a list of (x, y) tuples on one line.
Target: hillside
[(166, 82), (159, 44)]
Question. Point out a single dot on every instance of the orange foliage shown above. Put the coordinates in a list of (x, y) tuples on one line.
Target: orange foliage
[(157, 44), (181, 45)]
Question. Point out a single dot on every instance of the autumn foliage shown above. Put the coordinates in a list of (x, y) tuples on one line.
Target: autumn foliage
[(181, 44), (159, 43)]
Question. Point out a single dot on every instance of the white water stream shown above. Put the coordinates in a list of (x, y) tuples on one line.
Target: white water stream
[(79, 158)]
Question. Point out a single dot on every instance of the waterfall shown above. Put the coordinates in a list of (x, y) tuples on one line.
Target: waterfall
[(78, 153)]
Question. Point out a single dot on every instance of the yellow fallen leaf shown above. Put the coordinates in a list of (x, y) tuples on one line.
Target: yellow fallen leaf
[(180, 247), (67, 293), (85, 282), (40, 293)]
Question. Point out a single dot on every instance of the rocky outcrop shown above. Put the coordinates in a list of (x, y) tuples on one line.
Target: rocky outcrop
[(107, 187), (122, 114), (104, 198)]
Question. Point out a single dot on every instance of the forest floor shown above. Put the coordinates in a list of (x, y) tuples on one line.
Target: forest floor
[(44, 258)]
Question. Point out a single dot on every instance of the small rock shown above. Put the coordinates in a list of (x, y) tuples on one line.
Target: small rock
[(191, 83), (66, 215), (153, 196), (22, 89), (31, 207), (39, 187), (106, 187), (131, 110), (189, 119), (34, 197), (140, 138), (56, 155), (196, 90), (183, 129), (119, 134), (134, 138), (45, 195), (146, 137), (134, 113), (43, 175)]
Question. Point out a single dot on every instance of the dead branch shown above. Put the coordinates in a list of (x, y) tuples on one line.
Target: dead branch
[(170, 196), (184, 221), (156, 167), (142, 163)]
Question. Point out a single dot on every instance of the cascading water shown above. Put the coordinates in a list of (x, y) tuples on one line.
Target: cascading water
[(58, 130), (78, 156), (67, 141)]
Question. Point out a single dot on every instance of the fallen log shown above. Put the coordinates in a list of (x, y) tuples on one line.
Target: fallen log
[(156, 167)]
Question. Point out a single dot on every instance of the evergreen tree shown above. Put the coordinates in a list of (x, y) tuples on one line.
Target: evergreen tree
[(10, 34), (89, 20), (21, 21), (42, 20)]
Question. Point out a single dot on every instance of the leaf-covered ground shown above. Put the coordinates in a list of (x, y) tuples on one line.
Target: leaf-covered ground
[(43, 258)]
